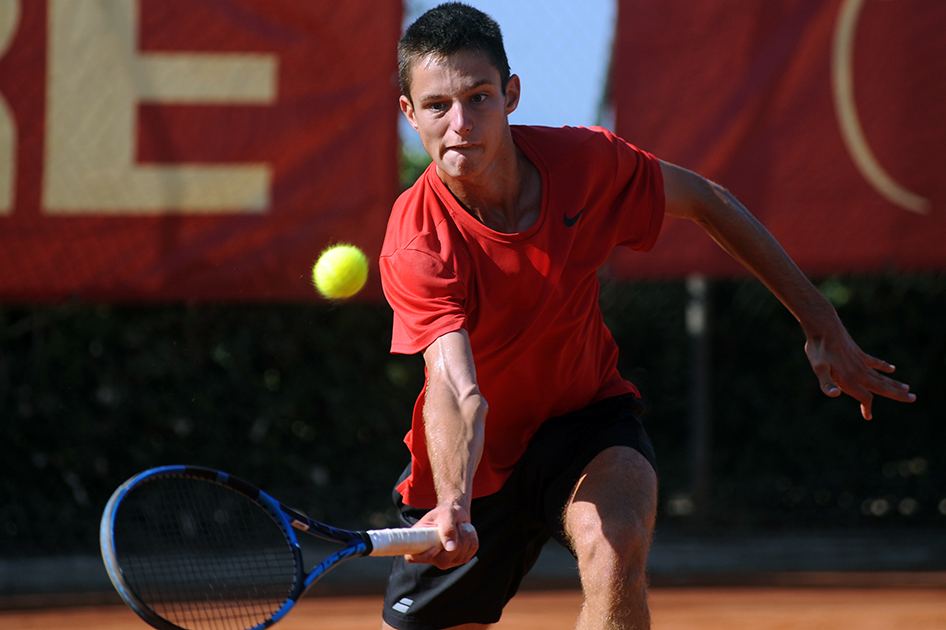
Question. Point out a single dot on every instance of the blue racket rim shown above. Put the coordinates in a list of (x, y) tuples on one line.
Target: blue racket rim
[(269, 504)]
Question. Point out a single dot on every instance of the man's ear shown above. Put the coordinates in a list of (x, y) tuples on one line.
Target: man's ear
[(513, 90), (408, 109)]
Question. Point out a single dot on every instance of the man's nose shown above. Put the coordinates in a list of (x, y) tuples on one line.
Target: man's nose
[(462, 121)]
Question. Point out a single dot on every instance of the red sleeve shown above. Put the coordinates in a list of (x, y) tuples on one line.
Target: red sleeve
[(639, 193), (426, 295)]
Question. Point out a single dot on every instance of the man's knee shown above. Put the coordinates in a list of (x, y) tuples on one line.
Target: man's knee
[(610, 518), (611, 548)]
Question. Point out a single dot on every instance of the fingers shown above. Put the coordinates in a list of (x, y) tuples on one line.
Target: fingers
[(889, 388), (459, 543), (828, 386), (863, 386), (882, 385), (879, 364), (449, 539), (450, 536), (856, 374)]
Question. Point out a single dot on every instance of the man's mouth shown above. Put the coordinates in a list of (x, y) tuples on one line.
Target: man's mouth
[(461, 148)]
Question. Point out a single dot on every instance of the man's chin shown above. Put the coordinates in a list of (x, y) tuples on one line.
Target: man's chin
[(456, 169)]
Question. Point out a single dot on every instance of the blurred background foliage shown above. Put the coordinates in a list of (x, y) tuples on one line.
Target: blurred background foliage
[(306, 401)]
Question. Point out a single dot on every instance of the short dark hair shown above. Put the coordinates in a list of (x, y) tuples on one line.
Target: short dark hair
[(446, 30)]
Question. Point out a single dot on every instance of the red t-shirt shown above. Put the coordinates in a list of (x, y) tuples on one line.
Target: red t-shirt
[(529, 301)]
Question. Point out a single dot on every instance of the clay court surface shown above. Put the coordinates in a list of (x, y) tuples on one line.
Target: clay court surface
[(672, 609)]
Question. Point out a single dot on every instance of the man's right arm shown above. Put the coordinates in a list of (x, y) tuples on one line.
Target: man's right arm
[(454, 424)]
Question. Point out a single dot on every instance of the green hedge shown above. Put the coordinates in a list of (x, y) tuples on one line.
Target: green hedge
[(306, 401)]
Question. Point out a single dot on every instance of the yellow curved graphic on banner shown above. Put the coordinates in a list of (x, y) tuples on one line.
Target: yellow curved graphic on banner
[(846, 110)]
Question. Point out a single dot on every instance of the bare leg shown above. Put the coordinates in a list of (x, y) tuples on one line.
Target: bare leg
[(609, 522)]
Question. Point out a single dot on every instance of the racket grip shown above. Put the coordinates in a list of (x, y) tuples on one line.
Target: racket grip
[(401, 541)]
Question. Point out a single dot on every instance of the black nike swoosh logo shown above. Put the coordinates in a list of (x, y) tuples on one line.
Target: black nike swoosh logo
[(570, 221)]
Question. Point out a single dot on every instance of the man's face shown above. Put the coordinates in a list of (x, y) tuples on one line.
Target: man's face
[(460, 112)]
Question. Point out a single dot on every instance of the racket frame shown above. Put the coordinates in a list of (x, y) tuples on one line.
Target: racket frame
[(356, 543)]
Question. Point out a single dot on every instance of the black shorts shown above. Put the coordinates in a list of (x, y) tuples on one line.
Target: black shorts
[(514, 523)]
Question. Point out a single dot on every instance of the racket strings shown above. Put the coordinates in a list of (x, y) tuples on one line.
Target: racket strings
[(203, 556)]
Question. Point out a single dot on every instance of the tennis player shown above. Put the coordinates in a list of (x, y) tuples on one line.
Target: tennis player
[(490, 265)]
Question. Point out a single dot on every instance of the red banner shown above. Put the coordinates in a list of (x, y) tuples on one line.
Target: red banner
[(826, 118), (155, 150)]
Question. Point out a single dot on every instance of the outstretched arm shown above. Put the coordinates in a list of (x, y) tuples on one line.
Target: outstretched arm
[(839, 364), (454, 422)]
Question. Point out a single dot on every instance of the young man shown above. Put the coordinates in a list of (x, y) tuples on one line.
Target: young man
[(490, 264)]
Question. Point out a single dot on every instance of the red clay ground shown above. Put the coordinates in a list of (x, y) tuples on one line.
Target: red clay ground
[(672, 609)]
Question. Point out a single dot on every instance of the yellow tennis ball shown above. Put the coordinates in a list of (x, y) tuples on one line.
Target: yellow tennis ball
[(340, 272)]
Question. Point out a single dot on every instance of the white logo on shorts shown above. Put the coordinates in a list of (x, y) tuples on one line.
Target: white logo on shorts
[(404, 605)]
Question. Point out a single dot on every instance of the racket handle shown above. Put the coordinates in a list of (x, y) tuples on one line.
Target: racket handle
[(401, 541)]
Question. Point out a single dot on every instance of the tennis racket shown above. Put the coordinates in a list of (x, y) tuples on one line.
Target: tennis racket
[(194, 548)]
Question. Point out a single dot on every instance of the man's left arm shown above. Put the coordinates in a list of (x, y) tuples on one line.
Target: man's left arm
[(839, 364)]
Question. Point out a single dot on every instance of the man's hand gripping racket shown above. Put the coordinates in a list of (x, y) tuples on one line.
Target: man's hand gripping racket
[(195, 548)]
